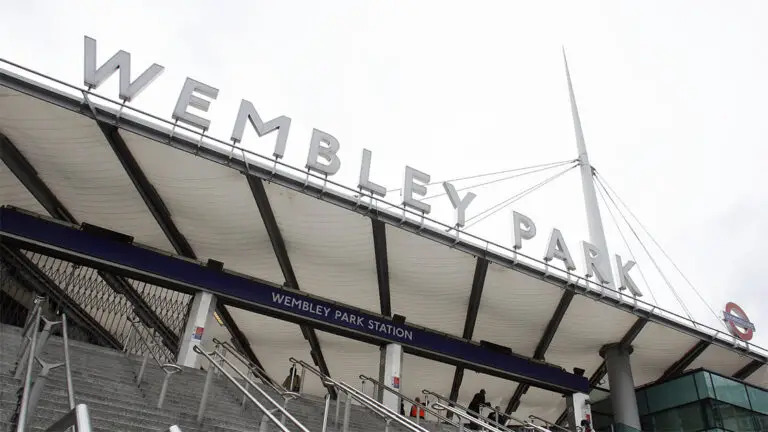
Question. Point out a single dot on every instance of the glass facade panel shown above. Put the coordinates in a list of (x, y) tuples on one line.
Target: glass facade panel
[(758, 398), (680, 391), (735, 418), (704, 384), (685, 418), (730, 391)]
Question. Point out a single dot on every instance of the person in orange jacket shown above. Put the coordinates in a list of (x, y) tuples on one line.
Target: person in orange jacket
[(420, 409)]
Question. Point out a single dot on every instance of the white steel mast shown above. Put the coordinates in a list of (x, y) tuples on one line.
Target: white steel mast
[(594, 221)]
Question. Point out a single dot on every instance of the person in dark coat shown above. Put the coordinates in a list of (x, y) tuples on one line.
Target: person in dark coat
[(478, 400), (294, 378)]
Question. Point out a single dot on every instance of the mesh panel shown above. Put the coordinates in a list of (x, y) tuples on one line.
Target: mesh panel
[(112, 309)]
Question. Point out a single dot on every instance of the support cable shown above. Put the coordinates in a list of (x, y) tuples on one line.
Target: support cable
[(626, 243), (546, 166), (647, 252), (496, 208), (605, 184)]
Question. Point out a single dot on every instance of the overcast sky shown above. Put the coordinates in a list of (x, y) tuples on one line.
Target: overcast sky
[(671, 94)]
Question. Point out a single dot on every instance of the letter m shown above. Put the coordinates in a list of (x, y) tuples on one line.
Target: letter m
[(281, 124), (121, 60)]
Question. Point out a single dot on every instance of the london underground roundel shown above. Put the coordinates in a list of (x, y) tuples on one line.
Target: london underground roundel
[(738, 322)]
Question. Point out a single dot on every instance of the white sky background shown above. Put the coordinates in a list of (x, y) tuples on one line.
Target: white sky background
[(671, 95)]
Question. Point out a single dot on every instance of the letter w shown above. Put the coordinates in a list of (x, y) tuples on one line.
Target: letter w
[(121, 60)]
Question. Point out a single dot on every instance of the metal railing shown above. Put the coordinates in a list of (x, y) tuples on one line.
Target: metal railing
[(169, 368), (267, 412), (478, 415), (424, 406), (174, 428), (368, 402), (77, 417), (257, 372), (549, 424), (483, 423), (31, 349)]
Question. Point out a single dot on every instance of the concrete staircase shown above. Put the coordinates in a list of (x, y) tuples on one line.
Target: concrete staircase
[(104, 379)]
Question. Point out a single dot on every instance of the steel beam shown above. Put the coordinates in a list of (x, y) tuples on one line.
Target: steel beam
[(478, 282), (26, 273), (382, 265), (748, 370), (543, 346), (602, 370), (239, 340), (27, 175), (162, 215), (281, 253), (682, 364)]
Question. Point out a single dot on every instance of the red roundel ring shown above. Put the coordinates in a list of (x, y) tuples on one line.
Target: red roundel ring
[(734, 309)]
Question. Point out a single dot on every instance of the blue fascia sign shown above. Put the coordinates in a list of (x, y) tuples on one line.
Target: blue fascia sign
[(64, 240)]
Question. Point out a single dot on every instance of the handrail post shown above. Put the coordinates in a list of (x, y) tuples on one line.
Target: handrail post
[(39, 385), (67, 366), (336, 418), (22, 423), (44, 335), (301, 383), (325, 411), (347, 412), (163, 389), (206, 388), (143, 368)]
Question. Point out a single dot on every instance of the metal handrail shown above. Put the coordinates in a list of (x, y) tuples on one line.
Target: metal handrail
[(168, 368), (482, 422), (77, 417), (363, 398), (409, 400), (263, 409), (174, 428), (259, 372), (466, 409), (24, 408), (548, 423)]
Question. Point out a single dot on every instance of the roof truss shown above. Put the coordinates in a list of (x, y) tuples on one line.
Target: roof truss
[(543, 346), (278, 244), (748, 370), (162, 216), (478, 282), (27, 175), (685, 361), (382, 265)]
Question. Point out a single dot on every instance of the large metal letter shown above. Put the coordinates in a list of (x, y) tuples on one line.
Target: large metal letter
[(187, 98), (524, 229), (365, 182), (459, 204), (281, 124), (121, 60), (557, 249), (597, 264), (410, 187), (323, 145), (625, 280)]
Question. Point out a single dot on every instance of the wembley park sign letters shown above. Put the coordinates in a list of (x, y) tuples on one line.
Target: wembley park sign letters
[(323, 159)]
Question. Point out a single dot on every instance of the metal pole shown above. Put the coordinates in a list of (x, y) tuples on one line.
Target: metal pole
[(326, 411), (347, 412), (143, 368), (204, 398), (44, 335), (594, 221), (82, 419), (22, 424), (301, 383), (67, 367), (39, 385), (336, 419), (163, 389)]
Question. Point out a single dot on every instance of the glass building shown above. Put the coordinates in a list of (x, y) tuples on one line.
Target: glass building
[(696, 401)]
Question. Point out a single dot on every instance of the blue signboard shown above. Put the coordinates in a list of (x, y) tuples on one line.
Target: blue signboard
[(135, 261)]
